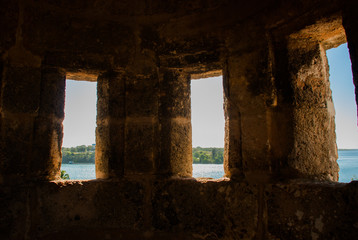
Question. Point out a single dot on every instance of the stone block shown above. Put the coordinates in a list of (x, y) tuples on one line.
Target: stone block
[(180, 148), (87, 63), (174, 95), (21, 90), (110, 149), (141, 146), (14, 202), (9, 14), (142, 96), (96, 204), (53, 83), (295, 211), (103, 153), (255, 145), (317, 152), (16, 148), (111, 95), (76, 32), (233, 160), (176, 149), (46, 152), (207, 208)]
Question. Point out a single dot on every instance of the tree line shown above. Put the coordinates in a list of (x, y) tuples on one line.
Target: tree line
[(208, 155), (79, 154), (86, 154)]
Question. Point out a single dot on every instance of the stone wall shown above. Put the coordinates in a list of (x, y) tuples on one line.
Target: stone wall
[(280, 151)]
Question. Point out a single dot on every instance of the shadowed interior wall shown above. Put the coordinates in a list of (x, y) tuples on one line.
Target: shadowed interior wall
[(280, 153)]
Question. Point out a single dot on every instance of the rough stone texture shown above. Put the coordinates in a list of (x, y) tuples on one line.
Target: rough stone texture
[(175, 127), (280, 151), (299, 214), (314, 152), (211, 205), (110, 125)]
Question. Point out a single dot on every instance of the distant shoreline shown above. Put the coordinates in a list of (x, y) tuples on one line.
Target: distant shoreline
[(94, 163), (195, 160)]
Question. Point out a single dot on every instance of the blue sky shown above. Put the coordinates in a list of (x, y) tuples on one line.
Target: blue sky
[(80, 113), (342, 87), (207, 107), (207, 113)]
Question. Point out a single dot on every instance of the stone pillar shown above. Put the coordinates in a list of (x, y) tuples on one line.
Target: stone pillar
[(31, 124), (141, 123), (110, 125), (233, 165), (350, 23), (48, 128), (248, 103), (314, 151), (175, 124), (127, 132)]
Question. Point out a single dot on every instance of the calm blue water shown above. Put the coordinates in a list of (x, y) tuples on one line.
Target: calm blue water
[(80, 171), (348, 164), (87, 171)]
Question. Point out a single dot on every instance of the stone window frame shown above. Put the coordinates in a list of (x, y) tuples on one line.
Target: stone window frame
[(209, 74), (309, 76), (80, 76)]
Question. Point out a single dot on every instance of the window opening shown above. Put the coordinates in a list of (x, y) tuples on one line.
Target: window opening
[(208, 127), (346, 112), (78, 148)]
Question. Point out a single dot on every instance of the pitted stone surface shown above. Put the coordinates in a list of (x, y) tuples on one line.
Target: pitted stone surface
[(280, 151)]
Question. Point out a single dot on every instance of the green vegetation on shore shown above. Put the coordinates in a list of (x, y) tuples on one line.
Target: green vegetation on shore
[(86, 154), (208, 155), (64, 175), (79, 154)]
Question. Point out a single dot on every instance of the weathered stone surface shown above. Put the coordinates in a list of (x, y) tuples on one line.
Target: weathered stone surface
[(315, 150), (295, 211), (148, 88), (175, 126), (109, 149), (140, 145), (52, 99), (16, 142), (94, 204), (280, 150), (21, 90), (205, 209), (176, 154), (9, 14)]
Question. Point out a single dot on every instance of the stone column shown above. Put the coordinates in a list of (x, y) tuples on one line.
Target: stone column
[(314, 151), (175, 124), (48, 128), (110, 125), (248, 112), (233, 165), (127, 135), (350, 23), (31, 124), (141, 132)]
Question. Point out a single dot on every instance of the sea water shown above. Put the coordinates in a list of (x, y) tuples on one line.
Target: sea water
[(87, 171), (348, 164)]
